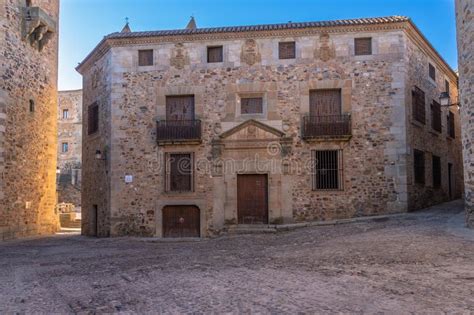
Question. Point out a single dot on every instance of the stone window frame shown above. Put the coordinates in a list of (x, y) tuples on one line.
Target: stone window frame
[(210, 47), (64, 147), (65, 114), (369, 38), (167, 173), (267, 90), (340, 170), (375, 46), (211, 65), (344, 85), (135, 63), (163, 92)]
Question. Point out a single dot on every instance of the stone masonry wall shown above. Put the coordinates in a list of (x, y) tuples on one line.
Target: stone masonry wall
[(465, 36), (70, 132), (424, 138), (28, 105)]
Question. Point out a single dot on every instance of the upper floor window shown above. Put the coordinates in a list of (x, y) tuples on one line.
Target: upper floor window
[(436, 116), (328, 172), (418, 105), (363, 46), (432, 72), (451, 125), (179, 172), (419, 166), (65, 113), (65, 147), (325, 102), (436, 161), (180, 107), (145, 57), (93, 118), (251, 105), (215, 54), (446, 86), (287, 50), (28, 3)]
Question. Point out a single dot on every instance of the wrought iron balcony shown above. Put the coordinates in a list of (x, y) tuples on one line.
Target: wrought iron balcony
[(328, 126), (170, 131)]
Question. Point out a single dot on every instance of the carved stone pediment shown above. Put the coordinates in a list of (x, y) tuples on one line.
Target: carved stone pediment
[(250, 53), (252, 130), (179, 56), (38, 27)]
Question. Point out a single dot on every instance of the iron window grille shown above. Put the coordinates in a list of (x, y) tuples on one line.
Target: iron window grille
[(287, 50), (328, 170), (251, 105), (363, 46)]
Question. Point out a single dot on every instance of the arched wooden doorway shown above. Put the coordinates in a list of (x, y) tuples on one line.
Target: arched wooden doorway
[(181, 221)]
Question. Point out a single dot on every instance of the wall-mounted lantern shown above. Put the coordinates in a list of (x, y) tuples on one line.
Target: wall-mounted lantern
[(445, 100)]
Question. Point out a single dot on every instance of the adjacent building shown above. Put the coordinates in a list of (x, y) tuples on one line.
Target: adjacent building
[(195, 131), (465, 34), (28, 128), (70, 147)]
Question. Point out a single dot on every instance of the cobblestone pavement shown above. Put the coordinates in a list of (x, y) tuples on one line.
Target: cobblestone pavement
[(422, 262)]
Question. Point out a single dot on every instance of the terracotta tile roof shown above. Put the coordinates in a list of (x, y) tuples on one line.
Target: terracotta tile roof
[(263, 27)]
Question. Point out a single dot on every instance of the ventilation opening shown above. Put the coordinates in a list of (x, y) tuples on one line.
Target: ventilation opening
[(32, 106)]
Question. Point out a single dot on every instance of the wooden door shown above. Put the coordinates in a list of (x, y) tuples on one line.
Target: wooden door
[(252, 199), (180, 107), (181, 221), (325, 102)]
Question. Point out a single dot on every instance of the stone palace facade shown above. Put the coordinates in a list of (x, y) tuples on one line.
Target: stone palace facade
[(196, 131), (28, 107)]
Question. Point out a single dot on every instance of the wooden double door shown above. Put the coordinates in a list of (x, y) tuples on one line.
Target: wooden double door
[(252, 199), (181, 221)]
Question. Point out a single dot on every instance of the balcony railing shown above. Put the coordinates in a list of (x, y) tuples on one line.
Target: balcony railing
[(178, 130), (327, 126)]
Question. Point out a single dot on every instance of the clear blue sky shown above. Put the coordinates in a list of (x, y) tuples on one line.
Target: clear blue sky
[(83, 23)]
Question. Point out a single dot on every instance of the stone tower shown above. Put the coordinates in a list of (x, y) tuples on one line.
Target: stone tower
[(465, 33), (28, 109)]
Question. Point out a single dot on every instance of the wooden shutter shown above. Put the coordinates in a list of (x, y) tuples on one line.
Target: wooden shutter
[(180, 172), (93, 118), (418, 105), (419, 166), (446, 86), (145, 57), (436, 116), (325, 102), (180, 107), (363, 46), (287, 50), (215, 54), (251, 105), (436, 171), (451, 125), (432, 72)]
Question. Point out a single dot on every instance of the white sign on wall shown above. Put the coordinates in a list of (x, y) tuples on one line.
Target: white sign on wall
[(128, 179)]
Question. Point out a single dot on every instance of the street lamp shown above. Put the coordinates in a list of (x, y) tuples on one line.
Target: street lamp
[(445, 100)]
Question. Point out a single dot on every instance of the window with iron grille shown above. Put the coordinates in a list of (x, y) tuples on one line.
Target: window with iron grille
[(432, 72), (179, 172), (446, 86), (418, 105), (363, 46), (451, 126), (251, 105), (215, 54), (145, 57), (328, 170), (93, 118), (436, 116), (65, 113), (287, 50), (436, 171), (65, 147), (419, 166)]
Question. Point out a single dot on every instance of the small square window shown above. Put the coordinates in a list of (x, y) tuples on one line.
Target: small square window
[(287, 50), (363, 46), (65, 113), (432, 72), (145, 57), (215, 54), (65, 147), (93, 118), (251, 105)]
